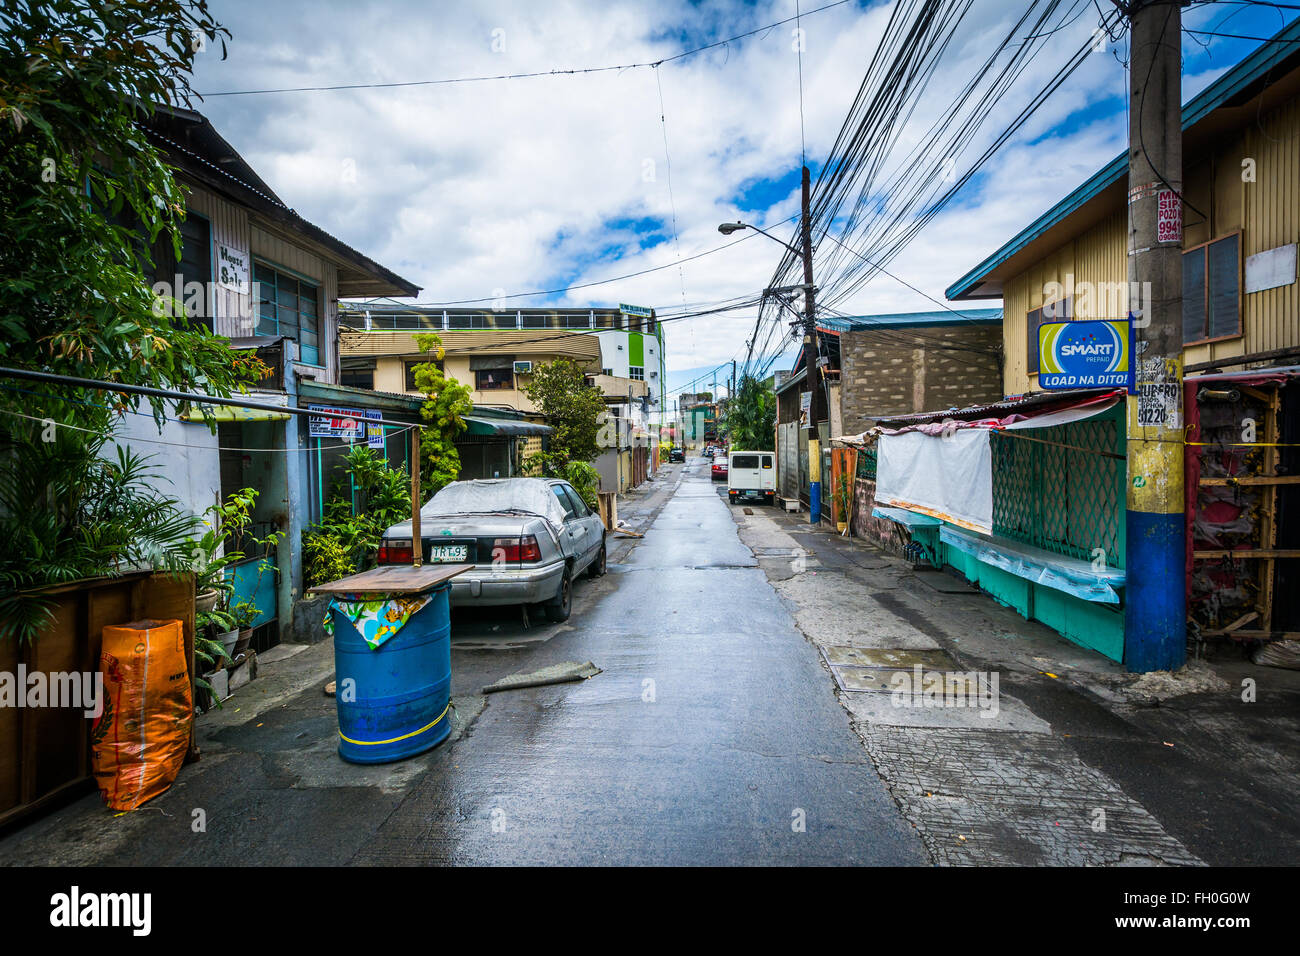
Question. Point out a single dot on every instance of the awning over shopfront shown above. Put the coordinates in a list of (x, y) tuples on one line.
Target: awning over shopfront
[(232, 413), (506, 427)]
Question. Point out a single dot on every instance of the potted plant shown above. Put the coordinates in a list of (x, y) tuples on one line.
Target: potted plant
[(219, 625), (212, 553), (243, 614), (843, 499), (210, 655), (213, 557)]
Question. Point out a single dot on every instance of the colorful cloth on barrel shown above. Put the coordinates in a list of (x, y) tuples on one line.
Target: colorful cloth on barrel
[(377, 619)]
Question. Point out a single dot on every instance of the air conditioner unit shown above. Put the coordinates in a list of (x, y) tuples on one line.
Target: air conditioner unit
[(523, 368)]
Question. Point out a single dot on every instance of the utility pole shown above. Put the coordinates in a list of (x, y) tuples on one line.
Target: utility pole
[(812, 374), (1155, 629)]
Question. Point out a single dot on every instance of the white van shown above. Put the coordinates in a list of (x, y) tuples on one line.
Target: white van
[(751, 474)]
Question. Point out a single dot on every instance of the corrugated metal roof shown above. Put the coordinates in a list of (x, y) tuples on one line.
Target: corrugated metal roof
[(1254, 69), (1019, 403), (195, 157), (902, 320), (794, 379)]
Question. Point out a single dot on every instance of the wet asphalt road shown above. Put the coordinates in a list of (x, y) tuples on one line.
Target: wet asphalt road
[(712, 737)]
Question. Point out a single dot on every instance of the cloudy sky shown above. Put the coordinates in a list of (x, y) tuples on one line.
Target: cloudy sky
[(481, 189)]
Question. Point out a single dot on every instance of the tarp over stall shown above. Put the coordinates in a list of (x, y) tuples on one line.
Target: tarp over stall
[(945, 469), (950, 478)]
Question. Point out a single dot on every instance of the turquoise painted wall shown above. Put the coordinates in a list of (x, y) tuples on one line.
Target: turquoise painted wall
[(1098, 627)]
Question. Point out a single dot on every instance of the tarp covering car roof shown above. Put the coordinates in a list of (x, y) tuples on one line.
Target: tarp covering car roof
[(491, 495)]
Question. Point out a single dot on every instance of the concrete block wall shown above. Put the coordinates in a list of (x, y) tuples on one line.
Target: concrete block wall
[(928, 368)]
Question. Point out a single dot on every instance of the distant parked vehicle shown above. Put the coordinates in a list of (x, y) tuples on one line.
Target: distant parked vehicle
[(752, 474), (676, 455), (719, 470), (528, 539)]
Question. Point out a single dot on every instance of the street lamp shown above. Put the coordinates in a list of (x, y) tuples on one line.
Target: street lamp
[(818, 400), (727, 228)]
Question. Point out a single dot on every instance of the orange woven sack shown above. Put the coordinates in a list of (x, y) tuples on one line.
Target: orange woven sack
[(141, 737)]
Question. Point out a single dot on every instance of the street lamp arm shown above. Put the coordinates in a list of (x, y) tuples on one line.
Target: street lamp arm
[(729, 227), (774, 239)]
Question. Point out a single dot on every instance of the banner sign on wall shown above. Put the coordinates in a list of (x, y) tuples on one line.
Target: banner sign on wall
[(330, 421), (1084, 354)]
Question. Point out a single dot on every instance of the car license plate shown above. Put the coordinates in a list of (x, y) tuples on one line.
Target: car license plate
[(448, 553)]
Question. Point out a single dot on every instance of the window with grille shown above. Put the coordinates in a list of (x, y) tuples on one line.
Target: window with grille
[(489, 379), (290, 307), (357, 376), (1063, 491), (636, 373), (410, 365), (1212, 290)]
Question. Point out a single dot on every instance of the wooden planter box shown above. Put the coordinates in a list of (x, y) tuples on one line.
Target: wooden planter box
[(45, 752)]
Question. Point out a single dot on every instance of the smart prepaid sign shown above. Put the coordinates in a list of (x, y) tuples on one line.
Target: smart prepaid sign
[(1083, 354)]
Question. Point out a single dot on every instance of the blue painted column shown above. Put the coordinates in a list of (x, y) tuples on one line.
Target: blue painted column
[(1155, 594), (814, 481)]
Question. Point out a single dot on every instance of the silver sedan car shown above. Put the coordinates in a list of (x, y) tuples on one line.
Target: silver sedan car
[(528, 539)]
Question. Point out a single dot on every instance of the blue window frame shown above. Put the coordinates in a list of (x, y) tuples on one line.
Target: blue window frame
[(289, 306)]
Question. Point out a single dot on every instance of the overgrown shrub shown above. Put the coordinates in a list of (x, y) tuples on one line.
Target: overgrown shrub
[(342, 542)]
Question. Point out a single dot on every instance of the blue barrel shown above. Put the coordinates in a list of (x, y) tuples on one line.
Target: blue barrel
[(402, 688)]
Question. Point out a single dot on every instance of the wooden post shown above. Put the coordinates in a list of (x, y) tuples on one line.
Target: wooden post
[(417, 545), (1268, 540)]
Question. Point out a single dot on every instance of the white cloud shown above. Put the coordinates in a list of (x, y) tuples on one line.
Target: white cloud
[(522, 184)]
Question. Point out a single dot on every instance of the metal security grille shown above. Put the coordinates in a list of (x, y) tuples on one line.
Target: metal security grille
[(788, 466), (1064, 499), (867, 463)]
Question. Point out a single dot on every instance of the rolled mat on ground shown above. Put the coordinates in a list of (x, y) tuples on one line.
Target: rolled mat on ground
[(139, 740)]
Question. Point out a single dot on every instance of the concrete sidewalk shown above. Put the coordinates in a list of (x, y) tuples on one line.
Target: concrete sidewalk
[(1083, 763)]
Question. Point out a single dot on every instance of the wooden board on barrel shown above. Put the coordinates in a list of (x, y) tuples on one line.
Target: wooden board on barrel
[(393, 579)]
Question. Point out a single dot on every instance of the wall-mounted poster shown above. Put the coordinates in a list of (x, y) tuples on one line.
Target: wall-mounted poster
[(1084, 354)]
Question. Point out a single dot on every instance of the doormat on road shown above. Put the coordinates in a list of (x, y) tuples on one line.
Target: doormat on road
[(564, 673)]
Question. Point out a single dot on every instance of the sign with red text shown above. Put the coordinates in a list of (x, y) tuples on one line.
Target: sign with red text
[(1169, 219)]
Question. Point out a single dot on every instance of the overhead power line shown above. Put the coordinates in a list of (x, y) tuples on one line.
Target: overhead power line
[(537, 73), (589, 285)]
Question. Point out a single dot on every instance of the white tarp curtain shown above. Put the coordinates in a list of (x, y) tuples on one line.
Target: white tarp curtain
[(496, 494), (949, 477)]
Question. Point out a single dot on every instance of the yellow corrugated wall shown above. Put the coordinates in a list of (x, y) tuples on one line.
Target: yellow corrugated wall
[(1097, 257), (1267, 211)]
